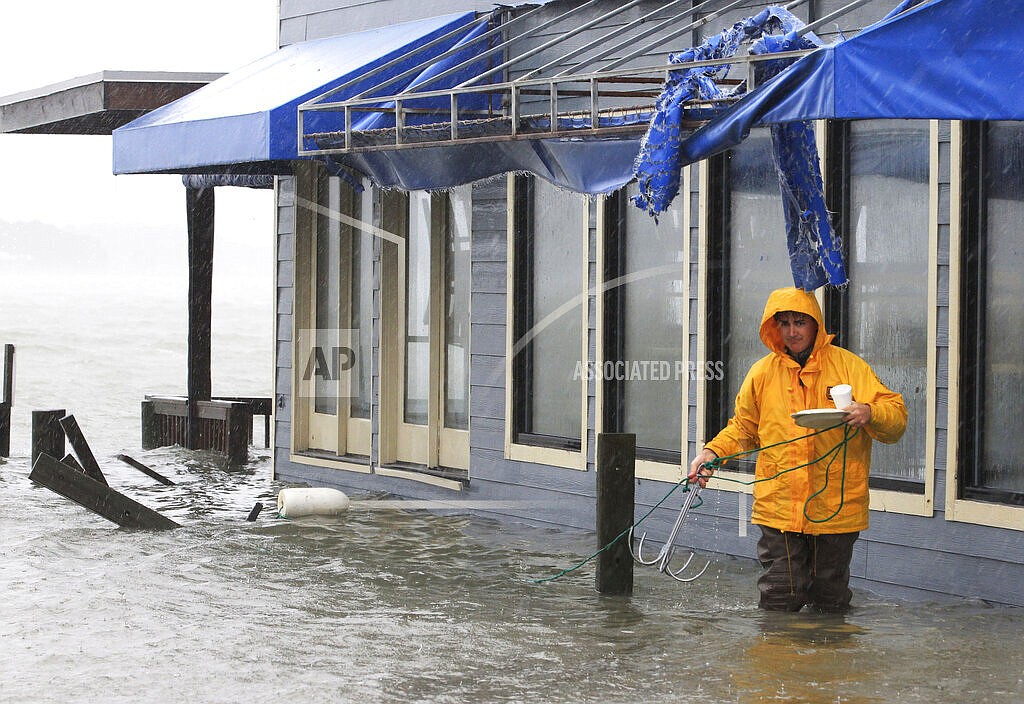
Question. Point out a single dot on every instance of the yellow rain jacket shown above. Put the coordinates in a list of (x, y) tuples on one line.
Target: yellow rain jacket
[(777, 386)]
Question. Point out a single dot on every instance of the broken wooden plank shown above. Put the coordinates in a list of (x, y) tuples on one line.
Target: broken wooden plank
[(81, 448), (98, 498), (70, 461), (145, 470), (47, 435), (255, 511)]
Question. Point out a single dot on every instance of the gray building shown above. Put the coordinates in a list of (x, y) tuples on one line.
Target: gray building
[(465, 323)]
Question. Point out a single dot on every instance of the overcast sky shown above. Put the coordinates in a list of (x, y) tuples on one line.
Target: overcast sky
[(67, 180)]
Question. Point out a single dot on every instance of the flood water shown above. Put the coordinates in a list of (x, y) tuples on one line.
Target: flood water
[(384, 604), (392, 605)]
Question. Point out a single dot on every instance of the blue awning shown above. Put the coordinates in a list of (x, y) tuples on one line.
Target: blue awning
[(247, 121), (947, 59)]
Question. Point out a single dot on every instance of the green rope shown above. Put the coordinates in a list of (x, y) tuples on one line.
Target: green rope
[(684, 482), (834, 452), (716, 464)]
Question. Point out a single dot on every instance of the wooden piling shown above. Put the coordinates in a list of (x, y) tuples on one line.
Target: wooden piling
[(98, 498), (199, 211), (84, 453), (8, 402), (9, 374), (150, 426), (47, 434), (238, 428), (255, 511), (616, 491), (5, 429)]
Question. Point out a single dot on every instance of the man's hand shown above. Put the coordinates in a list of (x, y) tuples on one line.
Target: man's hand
[(698, 472), (858, 415)]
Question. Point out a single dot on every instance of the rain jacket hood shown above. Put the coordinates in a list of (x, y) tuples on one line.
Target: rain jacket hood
[(797, 300), (807, 482)]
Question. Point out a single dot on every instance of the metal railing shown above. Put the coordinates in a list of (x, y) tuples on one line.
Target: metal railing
[(616, 97)]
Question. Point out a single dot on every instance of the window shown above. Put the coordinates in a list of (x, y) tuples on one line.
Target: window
[(991, 339), (642, 363), (880, 180), (334, 318), (425, 358), (747, 260), (548, 304)]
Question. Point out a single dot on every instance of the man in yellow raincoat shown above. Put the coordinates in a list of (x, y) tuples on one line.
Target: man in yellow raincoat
[(808, 526)]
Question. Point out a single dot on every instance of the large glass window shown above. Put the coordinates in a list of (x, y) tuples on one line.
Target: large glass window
[(885, 307), (417, 321), (748, 259), (336, 339), (361, 300), (548, 326), (328, 296), (992, 315), (434, 330), (456, 308), (643, 320)]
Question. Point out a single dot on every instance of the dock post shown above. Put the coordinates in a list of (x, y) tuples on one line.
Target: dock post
[(616, 492), (237, 427), (5, 429), (47, 434), (199, 205), (8, 402), (150, 426)]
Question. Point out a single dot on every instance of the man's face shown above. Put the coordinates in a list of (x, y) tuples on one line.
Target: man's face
[(797, 329)]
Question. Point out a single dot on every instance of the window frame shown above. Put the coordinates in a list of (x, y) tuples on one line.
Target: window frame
[(413, 449), (887, 494), (528, 447), (712, 341), (965, 300), (308, 180), (713, 247), (661, 465)]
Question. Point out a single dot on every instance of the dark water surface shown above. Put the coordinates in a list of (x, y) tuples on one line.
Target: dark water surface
[(393, 605)]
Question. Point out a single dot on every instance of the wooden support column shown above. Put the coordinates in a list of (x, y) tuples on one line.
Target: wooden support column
[(199, 205), (150, 426), (237, 426), (616, 493), (7, 403)]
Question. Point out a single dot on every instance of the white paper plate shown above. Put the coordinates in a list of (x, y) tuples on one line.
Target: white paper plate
[(818, 418)]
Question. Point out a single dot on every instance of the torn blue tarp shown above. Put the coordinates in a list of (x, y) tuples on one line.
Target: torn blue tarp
[(658, 162), (944, 59), (815, 258)]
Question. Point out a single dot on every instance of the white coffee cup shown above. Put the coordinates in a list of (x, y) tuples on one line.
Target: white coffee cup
[(842, 396)]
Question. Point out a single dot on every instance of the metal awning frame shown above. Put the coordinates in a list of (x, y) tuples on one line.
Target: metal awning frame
[(598, 88)]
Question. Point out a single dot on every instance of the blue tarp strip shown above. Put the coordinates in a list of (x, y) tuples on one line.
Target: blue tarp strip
[(815, 258), (658, 163), (814, 254)]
